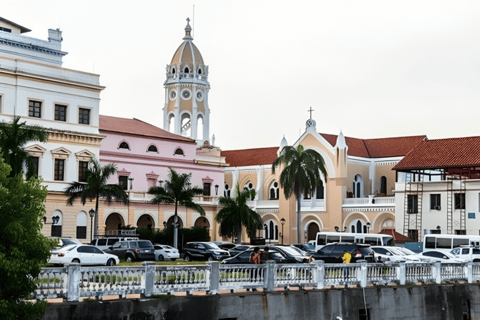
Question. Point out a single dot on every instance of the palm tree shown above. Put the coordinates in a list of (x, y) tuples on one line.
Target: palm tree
[(179, 191), (300, 175), (95, 186), (236, 212), (13, 138)]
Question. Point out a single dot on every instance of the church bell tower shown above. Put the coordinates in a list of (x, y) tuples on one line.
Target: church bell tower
[(186, 110)]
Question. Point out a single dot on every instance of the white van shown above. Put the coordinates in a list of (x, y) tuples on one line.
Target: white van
[(446, 242), (105, 243), (368, 238)]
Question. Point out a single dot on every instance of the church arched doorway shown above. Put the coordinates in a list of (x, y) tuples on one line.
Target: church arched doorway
[(312, 231), (202, 222), (114, 222), (146, 222)]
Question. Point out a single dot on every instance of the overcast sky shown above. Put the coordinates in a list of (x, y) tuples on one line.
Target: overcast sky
[(371, 68)]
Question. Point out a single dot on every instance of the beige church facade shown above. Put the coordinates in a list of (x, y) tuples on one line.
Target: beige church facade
[(357, 195)]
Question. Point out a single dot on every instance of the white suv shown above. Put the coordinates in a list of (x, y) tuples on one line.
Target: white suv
[(467, 253), (392, 254), (105, 243)]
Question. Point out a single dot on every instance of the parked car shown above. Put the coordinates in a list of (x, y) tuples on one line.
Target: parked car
[(224, 245), (291, 255), (444, 257), (306, 247), (203, 251), (333, 252), (384, 254), (105, 243), (238, 248), (67, 241), (132, 250), (467, 253), (82, 254), (244, 257), (162, 252)]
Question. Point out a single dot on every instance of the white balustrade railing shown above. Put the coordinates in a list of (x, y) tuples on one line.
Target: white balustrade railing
[(370, 201), (73, 282)]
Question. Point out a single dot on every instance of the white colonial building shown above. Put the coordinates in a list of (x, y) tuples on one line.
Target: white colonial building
[(35, 86)]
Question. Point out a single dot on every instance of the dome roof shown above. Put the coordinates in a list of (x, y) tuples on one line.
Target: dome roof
[(187, 52)]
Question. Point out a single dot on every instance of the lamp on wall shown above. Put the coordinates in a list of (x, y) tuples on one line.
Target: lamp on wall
[(160, 183), (92, 214), (266, 230), (368, 227), (337, 228), (216, 189), (439, 228), (344, 229), (282, 221), (164, 224), (131, 182), (55, 220)]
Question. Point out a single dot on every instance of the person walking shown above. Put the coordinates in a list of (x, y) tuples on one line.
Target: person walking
[(255, 259), (346, 260)]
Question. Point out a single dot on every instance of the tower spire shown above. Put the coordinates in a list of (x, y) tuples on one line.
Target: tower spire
[(188, 31)]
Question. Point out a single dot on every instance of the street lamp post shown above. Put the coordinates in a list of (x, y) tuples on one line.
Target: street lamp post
[(368, 227), (266, 230), (216, 189), (439, 229), (92, 215), (164, 224), (282, 221)]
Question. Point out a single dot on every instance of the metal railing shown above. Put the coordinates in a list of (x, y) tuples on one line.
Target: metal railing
[(74, 282)]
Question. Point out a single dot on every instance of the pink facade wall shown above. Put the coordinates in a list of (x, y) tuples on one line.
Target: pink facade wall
[(146, 168)]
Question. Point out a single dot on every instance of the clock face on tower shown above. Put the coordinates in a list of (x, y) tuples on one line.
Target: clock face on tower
[(199, 95), (173, 95), (186, 94)]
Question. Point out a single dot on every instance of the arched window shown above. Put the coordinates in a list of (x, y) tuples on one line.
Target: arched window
[(358, 186), (383, 185), (187, 70), (82, 225), (173, 71), (226, 192), (124, 145), (152, 148), (359, 226), (57, 221), (270, 230), (274, 190), (199, 71), (320, 191), (179, 152), (249, 186)]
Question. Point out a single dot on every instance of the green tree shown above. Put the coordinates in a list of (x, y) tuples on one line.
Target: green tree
[(96, 187), (13, 138), (236, 212), (300, 175), (23, 249), (179, 191)]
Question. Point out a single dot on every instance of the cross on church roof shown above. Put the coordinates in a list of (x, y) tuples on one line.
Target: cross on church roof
[(310, 110), (188, 20)]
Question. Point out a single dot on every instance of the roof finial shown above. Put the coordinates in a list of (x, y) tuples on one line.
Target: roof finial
[(188, 31), (310, 110)]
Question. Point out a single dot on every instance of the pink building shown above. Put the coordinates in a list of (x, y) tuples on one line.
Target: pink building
[(143, 154)]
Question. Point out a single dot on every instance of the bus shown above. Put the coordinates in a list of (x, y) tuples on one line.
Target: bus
[(446, 242), (368, 238)]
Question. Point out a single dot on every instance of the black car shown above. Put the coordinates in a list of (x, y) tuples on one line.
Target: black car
[(203, 251), (306, 247), (244, 257), (132, 250), (290, 254), (333, 252), (238, 248)]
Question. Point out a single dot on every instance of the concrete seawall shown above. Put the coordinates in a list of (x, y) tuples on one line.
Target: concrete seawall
[(460, 301)]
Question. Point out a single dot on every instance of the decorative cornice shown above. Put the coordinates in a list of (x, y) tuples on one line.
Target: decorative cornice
[(74, 137), (142, 157), (31, 47), (387, 209)]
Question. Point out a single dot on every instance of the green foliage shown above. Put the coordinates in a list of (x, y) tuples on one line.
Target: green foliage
[(178, 191), (13, 138), (236, 212), (166, 236), (95, 187), (23, 249), (301, 174)]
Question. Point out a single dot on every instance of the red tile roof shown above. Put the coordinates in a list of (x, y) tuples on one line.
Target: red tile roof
[(250, 157), (442, 153), (396, 236), (377, 148), (366, 148), (137, 127)]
